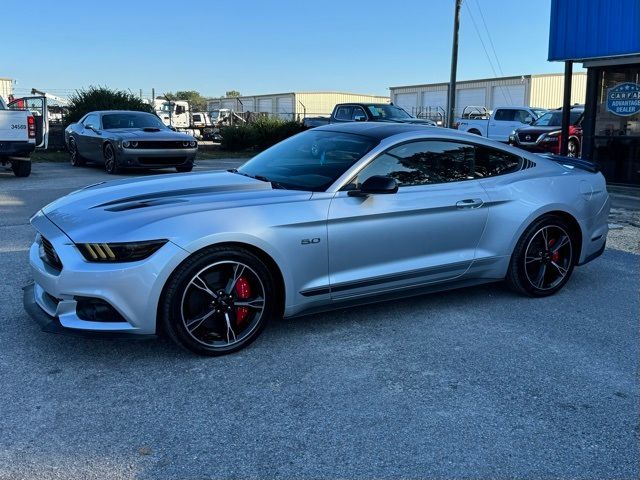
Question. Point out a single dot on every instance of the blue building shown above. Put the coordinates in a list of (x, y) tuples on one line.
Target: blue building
[(604, 35)]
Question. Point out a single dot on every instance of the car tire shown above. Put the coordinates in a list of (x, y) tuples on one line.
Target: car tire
[(201, 306), (544, 258), (21, 168), (76, 159), (110, 161), (184, 168), (573, 148)]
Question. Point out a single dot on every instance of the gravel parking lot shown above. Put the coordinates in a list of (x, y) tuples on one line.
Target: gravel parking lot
[(474, 383)]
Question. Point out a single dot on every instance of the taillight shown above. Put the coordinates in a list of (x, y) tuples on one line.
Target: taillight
[(31, 125)]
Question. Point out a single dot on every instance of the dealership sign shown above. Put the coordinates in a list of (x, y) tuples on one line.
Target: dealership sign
[(624, 99)]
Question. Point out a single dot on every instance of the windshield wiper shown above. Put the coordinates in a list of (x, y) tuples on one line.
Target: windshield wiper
[(262, 178), (273, 184)]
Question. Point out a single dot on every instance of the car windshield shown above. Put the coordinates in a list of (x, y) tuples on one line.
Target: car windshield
[(387, 112), (554, 119), (130, 120), (310, 161)]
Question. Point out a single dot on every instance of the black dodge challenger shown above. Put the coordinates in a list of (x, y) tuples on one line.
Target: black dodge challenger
[(121, 139)]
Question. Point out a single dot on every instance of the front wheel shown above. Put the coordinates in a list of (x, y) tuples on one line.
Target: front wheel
[(573, 148), (110, 162), (218, 301), (543, 259), (76, 159)]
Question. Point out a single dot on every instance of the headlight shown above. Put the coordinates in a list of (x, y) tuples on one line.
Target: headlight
[(186, 144), (551, 137), (126, 144), (134, 144), (119, 252), (193, 144)]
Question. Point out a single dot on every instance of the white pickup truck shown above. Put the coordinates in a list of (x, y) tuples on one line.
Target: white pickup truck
[(499, 124), (17, 139)]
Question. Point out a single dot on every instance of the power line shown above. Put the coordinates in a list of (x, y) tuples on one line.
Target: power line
[(483, 46), (493, 48)]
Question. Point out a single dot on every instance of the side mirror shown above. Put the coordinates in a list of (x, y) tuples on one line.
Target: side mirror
[(528, 120), (375, 185), (90, 127), (359, 118)]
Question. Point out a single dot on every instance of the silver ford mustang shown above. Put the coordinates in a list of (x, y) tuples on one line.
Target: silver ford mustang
[(337, 215)]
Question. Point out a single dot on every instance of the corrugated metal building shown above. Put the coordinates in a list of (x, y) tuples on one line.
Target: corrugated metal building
[(543, 91), (6, 87), (292, 105)]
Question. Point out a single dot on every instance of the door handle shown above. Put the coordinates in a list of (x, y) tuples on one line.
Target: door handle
[(470, 203)]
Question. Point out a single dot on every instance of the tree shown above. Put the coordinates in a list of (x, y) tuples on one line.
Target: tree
[(102, 98), (196, 101), (232, 93)]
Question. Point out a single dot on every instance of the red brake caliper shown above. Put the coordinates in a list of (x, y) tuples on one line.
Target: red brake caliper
[(243, 291), (555, 256)]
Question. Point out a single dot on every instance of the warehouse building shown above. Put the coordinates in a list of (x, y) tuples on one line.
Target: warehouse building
[(604, 36), (6, 88), (544, 91), (293, 105)]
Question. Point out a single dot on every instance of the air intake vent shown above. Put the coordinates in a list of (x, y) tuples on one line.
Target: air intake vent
[(527, 164), (50, 255)]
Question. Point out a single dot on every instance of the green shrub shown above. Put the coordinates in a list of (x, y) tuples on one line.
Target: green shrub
[(258, 135), (102, 98)]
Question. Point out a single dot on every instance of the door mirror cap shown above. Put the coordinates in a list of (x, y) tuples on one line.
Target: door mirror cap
[(89, 127), (376, 184)]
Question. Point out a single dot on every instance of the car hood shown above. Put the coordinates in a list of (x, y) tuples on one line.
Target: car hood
[(140, 134), (121, 210), (414, 121), (538, 130)]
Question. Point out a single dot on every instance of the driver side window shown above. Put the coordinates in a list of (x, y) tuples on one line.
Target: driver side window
[(91, 120), (423, 163)]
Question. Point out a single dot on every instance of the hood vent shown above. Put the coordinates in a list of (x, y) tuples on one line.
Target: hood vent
[(123, 207)]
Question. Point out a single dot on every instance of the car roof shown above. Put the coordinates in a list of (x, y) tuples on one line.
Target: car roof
[(378, 130), (102, 112)]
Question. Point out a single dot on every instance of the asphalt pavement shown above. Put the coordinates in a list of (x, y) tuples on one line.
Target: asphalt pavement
[(472, 383)]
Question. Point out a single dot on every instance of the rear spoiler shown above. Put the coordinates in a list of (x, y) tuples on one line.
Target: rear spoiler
[(572, 162)]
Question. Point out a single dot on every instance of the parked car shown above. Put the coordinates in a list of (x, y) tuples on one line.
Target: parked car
[(334, 216), (498, 124), (544, 135), (367, 112), (121, 139), (17, 139)]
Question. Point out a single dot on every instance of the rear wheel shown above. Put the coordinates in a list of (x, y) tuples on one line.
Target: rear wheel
[(76, 159), (218, 301), (543, 259), (21, 168), (110, 162)]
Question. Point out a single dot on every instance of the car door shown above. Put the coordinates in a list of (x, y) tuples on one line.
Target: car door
[(344, 113), (89, 141), (502, 124), (426, 232), (37, 106)]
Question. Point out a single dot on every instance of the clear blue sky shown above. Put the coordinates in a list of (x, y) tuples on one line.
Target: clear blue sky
[(263, 46)]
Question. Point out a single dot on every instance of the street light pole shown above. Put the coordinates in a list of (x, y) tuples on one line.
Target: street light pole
[(451, 96)]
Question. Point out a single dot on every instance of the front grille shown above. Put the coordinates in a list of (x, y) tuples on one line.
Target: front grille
[(160, 144), (51, 257), (528, 137), (161, 160)]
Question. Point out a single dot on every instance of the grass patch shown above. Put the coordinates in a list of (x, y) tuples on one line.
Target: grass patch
[(62, 156)]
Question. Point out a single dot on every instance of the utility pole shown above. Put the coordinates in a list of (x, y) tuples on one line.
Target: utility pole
[(451, 100)]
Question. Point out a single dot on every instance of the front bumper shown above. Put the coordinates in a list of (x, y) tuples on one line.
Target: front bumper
[(156, 158), (132, 289)]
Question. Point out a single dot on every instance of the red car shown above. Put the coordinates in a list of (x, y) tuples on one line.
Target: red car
[(544, 134)]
